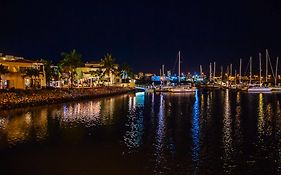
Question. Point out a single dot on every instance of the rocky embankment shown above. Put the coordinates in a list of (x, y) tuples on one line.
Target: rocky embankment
[(19, 98)]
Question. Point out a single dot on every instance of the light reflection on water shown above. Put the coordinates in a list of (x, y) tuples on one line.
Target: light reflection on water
[(133, 135), (18, 128), (160, 136), (195, 130), (208, 132), (88, 114), (21, 125), (227, 134), (261, 115)]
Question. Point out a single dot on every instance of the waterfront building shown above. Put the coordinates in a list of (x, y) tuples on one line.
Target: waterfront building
[(92, 74), (17, 77)]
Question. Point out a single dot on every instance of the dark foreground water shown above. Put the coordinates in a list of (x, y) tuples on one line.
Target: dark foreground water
[(208, 132)]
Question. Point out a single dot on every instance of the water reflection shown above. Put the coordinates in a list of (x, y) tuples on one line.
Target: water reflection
[(18, 128), (195, 131), (268, 120), (227, 131), (260, 115), (237, 129), (167, 133), (87, 113), (21, 125), (133, 135), (278, 134), (160, 135), (209, 108)]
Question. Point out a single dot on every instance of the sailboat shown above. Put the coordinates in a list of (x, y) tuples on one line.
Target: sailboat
[(260, 88), (276, 87), (179, 88)]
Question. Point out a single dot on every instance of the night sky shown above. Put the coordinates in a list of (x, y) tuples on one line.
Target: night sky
[(144, 34)]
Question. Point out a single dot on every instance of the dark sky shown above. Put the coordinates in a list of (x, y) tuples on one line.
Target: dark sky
[(144, 34)]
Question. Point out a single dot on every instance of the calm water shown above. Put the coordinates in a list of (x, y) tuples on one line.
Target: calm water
[(208, 132)]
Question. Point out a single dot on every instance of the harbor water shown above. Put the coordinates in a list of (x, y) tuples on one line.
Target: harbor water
[(205, 132)]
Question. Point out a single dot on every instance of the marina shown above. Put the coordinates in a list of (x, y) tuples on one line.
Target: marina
[(140, 87), (237, 82), (205, 132)]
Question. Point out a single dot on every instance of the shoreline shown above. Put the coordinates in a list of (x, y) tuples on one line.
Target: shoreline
[(25, 98)]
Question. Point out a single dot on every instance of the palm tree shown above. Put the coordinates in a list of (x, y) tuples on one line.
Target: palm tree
[(3, 71), (50, 72), (98, 75), (126, 72), (33, 73), (69, 63), (111, 68)]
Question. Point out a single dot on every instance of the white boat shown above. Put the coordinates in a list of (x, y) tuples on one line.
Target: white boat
[(182, 89), (163, 89), (259, 89), (276, 88)]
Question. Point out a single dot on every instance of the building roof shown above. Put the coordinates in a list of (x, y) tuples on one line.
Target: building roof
[(92, 62), (10, 58)]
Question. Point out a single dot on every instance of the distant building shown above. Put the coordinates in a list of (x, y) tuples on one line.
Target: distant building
[(140, 74), (16, 76), (148, 74)]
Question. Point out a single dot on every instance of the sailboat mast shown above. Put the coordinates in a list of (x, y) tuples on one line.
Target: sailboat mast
[(230, 70), (221, 73), (210, 71), (214, 74), (276, 71), (266, 65), (240, 71), (235, 72), (260, 67), (179, 73), (250, 70)]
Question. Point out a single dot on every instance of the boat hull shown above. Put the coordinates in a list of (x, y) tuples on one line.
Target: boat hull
[(182, 90), (276, 88), (259, 90)]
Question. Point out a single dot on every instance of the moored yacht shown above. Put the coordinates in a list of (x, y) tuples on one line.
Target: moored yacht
[(259, 89), (183, 89)]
